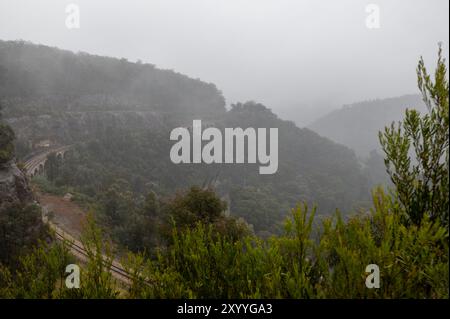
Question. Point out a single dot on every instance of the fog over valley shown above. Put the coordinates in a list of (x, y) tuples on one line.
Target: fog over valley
[(264, 150), (290, 55)]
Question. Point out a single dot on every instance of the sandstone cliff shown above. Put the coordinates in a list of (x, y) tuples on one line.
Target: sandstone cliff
[(14, 187)]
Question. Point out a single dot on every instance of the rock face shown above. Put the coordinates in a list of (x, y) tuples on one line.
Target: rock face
[(71, 127), (21, 224), (14, 187)]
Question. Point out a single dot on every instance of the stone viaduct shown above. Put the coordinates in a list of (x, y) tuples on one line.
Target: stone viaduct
[(35, 165)]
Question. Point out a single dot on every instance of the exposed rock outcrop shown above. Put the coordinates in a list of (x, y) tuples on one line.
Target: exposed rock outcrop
[(21, 224), (14, 187), (71, 127)]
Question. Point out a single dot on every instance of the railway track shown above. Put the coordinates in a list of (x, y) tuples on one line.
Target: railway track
[(117, 271), (76, 248)]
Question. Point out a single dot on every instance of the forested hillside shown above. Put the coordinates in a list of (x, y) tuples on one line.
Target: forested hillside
[(184, 244), (118, 115), (357, 125), (37, 79)]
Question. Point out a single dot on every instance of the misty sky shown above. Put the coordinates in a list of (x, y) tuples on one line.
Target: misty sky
[(300, 58)]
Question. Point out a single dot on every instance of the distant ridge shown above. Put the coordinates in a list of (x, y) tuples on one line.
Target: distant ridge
[(119, 116), (357, 125)]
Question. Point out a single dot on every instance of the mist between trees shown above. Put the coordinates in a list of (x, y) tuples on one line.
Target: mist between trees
[(192, 244)]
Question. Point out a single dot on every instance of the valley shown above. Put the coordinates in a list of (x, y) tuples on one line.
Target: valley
[(91, 174)]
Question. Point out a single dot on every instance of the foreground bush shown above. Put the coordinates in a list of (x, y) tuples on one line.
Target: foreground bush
[(413, 261)]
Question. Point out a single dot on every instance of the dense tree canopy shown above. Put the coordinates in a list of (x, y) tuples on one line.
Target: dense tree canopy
[(6, 141), (185, 245)]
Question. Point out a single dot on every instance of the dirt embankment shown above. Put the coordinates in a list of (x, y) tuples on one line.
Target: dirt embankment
[(65, 214)]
